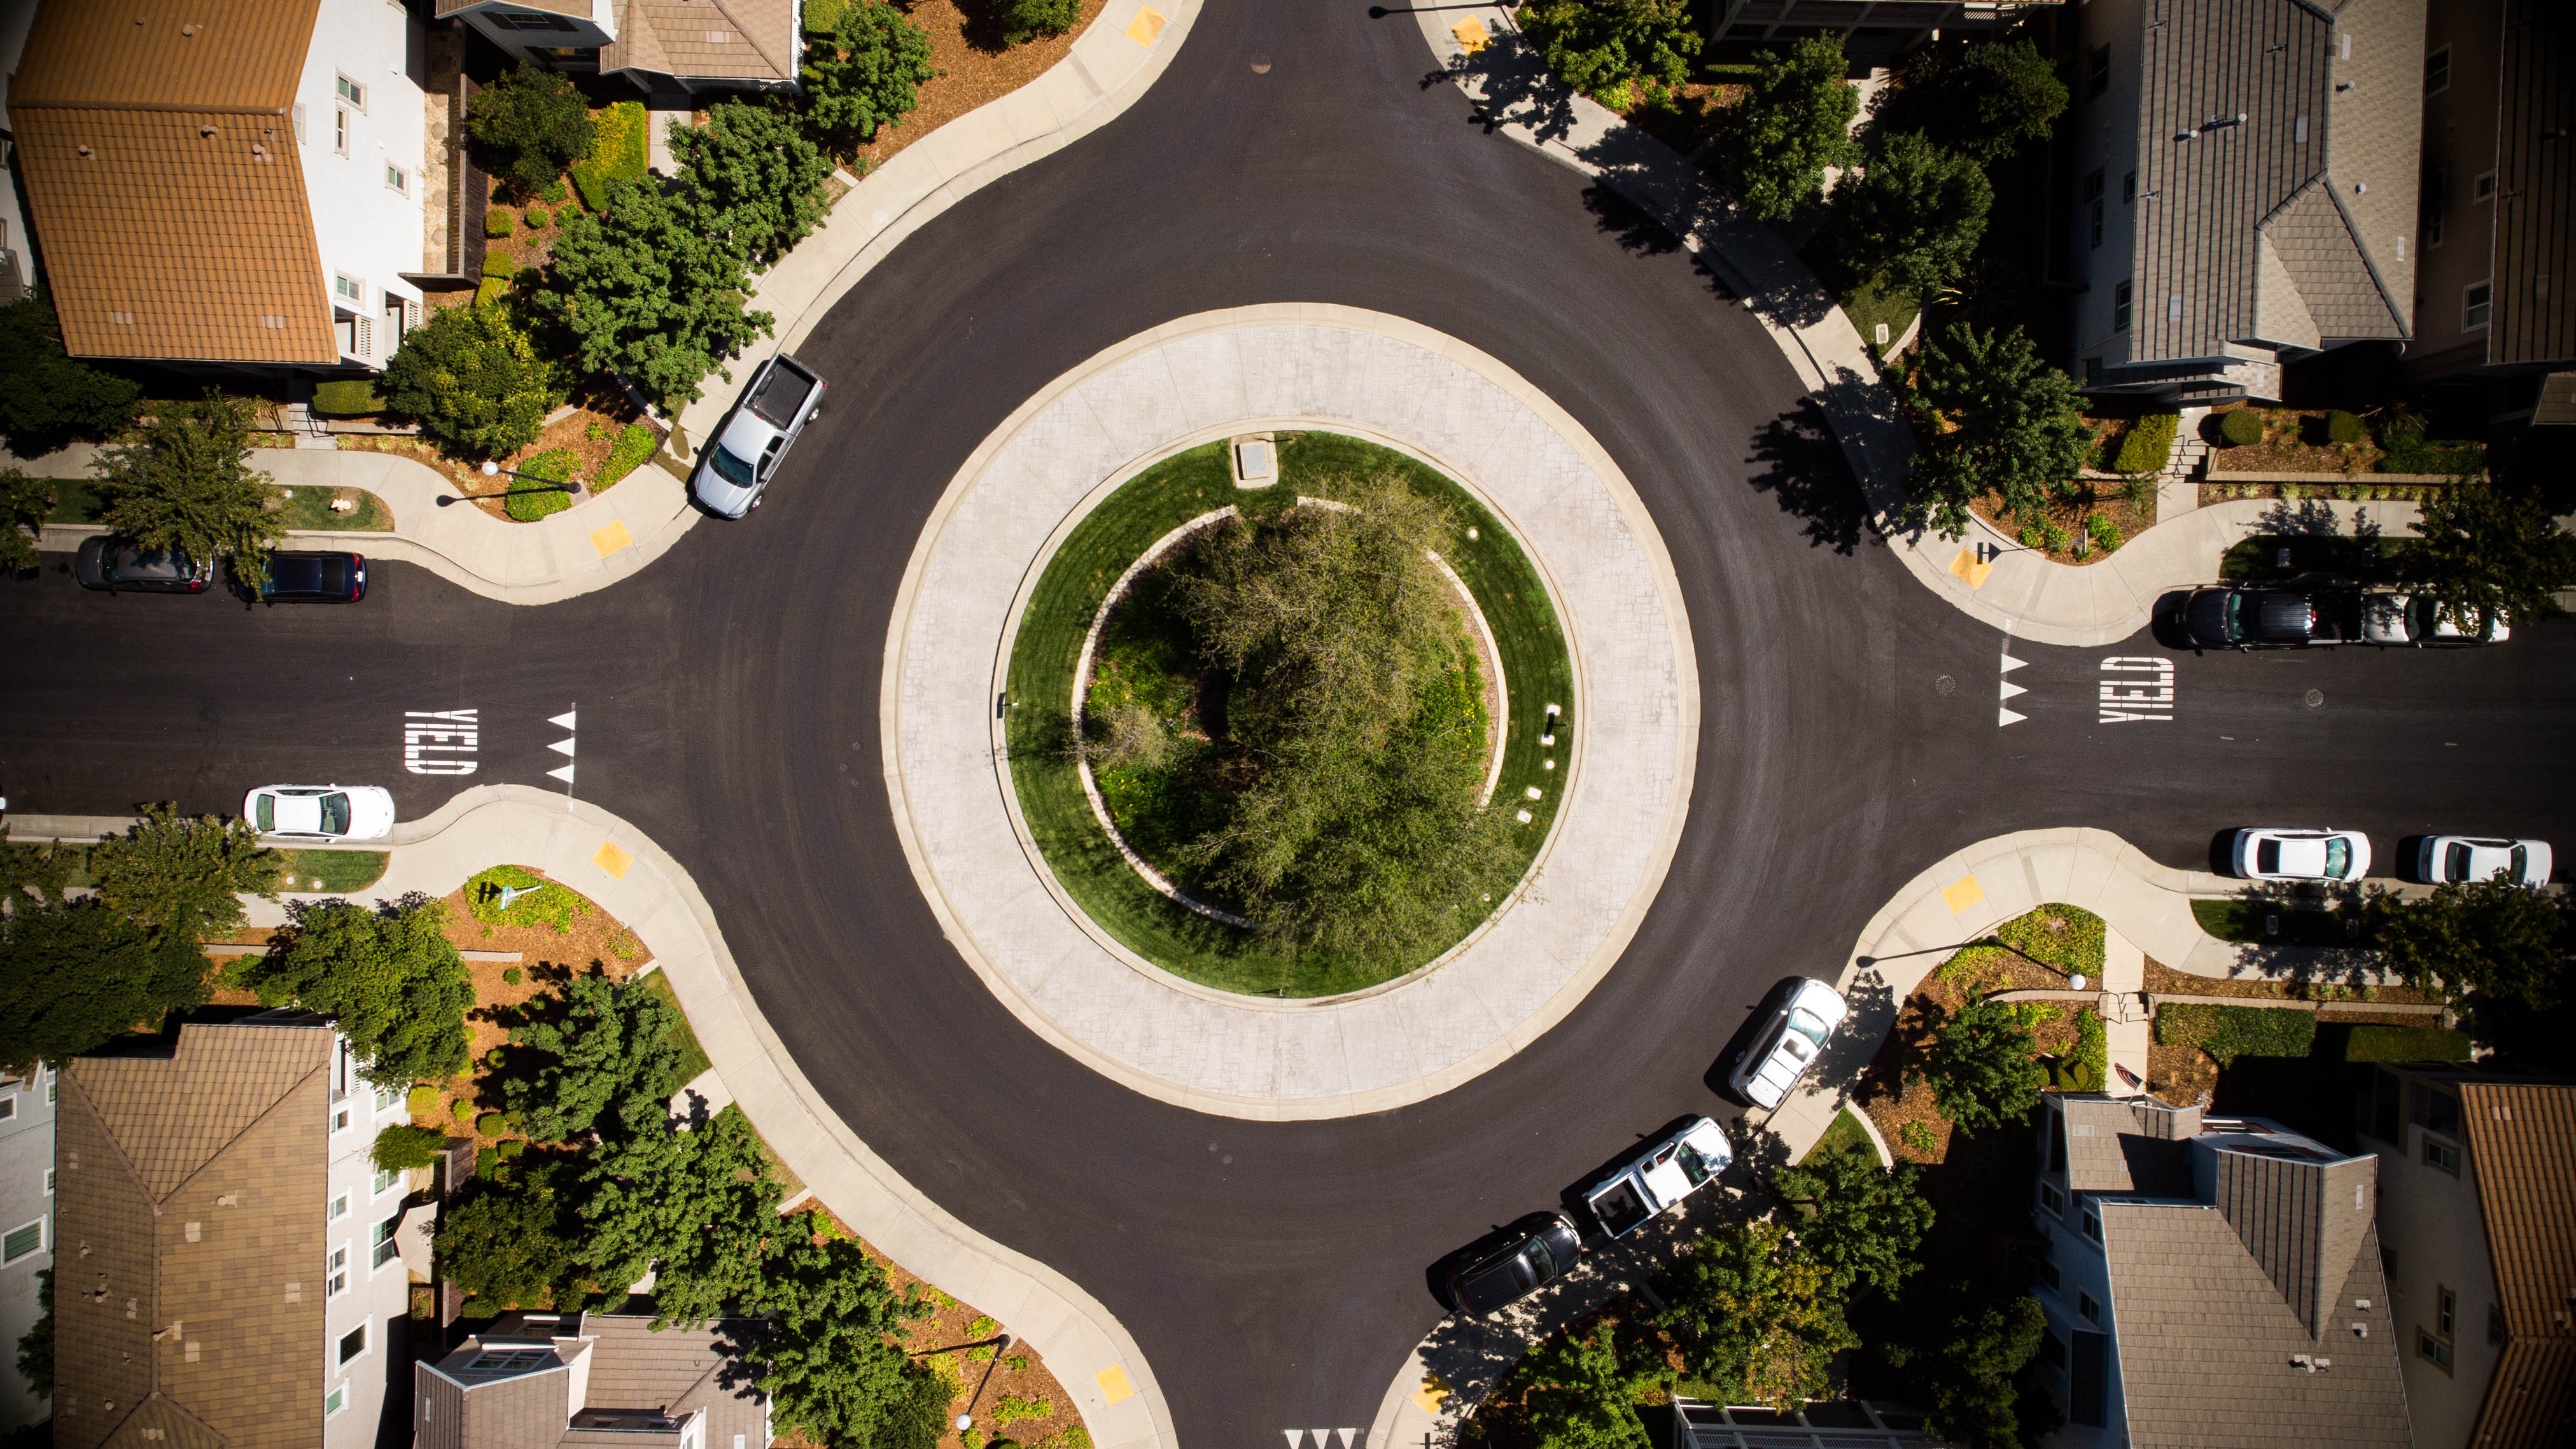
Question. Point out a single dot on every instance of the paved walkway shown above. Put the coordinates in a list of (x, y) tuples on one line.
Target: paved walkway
[(1632, 756), (2020, 591)]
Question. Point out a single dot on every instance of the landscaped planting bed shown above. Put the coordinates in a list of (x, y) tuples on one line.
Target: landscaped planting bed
[(1046, 657)]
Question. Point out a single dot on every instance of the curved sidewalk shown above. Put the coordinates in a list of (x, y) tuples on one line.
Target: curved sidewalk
[(614, 864)]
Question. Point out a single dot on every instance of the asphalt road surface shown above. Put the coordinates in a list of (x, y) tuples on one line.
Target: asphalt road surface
[(1274, 1273)]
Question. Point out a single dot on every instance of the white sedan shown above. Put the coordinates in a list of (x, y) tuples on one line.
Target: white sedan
[(321, 812), (2449, 858), (2405, 619), (2337, 855), (1788, 1043)]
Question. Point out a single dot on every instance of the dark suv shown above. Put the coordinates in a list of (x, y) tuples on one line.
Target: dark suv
[(1514, 1263), (315, 578), (118, 565), (2257, 619)]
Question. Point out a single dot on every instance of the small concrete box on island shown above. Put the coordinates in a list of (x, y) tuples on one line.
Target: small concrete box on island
[(1255, 460)]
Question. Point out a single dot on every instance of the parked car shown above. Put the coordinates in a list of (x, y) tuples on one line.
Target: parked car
[(2230, 618), (2406, 619), (1531, 1253), (1788, 1043), (119, 564), (314, 578), (321, 812), (1657, 1178), (2448, 858), (780, 400), (2279, 854)]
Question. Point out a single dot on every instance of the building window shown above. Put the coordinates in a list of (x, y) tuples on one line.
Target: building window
[(2473, 313), (2048, 1273), (8, 1107), (25, 1240), (334, 1401), (2097, 72), (386, 1249), (339, 1119), (385, 1179), (340, 130), (353, 1345), (2441, 1154), (49, 1182), (338, 1209), (385, 1099), (2483, 189), (336, 1281), (2091, 1310), (2432, 1350), (397, 180), (2088, 1380), (2051, 1201), (2120, 308), (351, 92), (2128, 188), (521, 20), (2092, 1228), (2093, 209), (2437, 72), (2446, 1307), (348, 289)]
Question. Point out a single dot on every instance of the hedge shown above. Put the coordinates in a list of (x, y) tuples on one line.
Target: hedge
[(497, 263), (2229, 1032), (633, 446), (490, 290), (2406, 1044), (2411, 453), (2149, 444), (347, 398), (2344, 427), (496, 223), (617, 152), (527, 503), (2241, 427)]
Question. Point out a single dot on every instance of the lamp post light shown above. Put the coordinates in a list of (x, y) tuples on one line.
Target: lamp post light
[(1001, 1346), (491, 469)]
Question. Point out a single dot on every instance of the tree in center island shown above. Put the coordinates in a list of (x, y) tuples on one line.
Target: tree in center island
[(1999, 420), (186, 483), (390, 976), (1608, 49), (1773, 146)]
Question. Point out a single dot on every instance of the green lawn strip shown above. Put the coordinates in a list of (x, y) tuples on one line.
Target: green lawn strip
[(633, 446), (74, 501), (1047, 651), (1867, 307), (310, 508), (334, 870), (2229, 1032), (2243, 921), (2379, 1042), (1845, 1134), (693, 1057)]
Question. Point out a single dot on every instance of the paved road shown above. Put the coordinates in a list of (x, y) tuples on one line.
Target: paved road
[(728, 703)]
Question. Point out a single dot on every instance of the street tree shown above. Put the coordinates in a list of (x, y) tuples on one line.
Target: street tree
[(1774, 145), (512, 1241), (1912, 220), (1582, 1392), (46, 398), (1864, 1223), (389, 976), (530, 123), (182, 875), (753, 166), (832, 1366), (1983, 1066), (1756, 1315), (1962, 1368), (1985, 100), (610, 1043), (402, 1146), (475, 381), (25, 502), (863, 69), (1609, 49), (2487, 556), (699, 1207), (2000, 420), (2485, 942), (187, 483), (1025, 20), (652, 290), (76, 975)]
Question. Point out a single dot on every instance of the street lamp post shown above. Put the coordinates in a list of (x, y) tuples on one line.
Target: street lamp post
[(493, 470)]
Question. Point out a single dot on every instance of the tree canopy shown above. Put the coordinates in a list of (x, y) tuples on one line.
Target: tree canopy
[(700, 1206), (513, 1240), (1608, 48), (1864, 1223), (1962, 1368), (831, 1367), (652, 290), (187, 483), (46, 398), (752, 166), (864, 68), (530, 124), (2487, 941), (182, 875), (76, 975), (1912, 220), (1774, 145), (1756, 1315), (389, 975), (2486, 554), (1986, 100), (25, 501), (474, 380), (1583, 1391), (1983, 1066), (2002, 420), (611, 1043)]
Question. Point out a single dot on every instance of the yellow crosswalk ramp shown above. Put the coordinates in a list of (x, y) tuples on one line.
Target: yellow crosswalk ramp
[(1113, 1379), (1963, 893), (1147, 24), (1428, 1397), (1472, 35), (611, 859), (612, 538), (1967, 567)]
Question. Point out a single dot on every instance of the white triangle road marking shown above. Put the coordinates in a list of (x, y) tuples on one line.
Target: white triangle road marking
[(561, 747), (2002, 717), (562, 721), (1345, 1435), (565, 773), (1296, 1437), (2011, 689), (2010, 664)]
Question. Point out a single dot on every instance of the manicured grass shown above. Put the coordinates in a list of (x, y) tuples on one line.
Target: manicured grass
[(1867, 307), (693, 1057), (1844, 1135), (74, 502), (2379, 1042), (1046, 655), (2243, 921), (334, 870), (633, 446), (309, 507)]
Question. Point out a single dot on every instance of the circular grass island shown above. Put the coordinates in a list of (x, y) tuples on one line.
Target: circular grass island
[(1293, 741)]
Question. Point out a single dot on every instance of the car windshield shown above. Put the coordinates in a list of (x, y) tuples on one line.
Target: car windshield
[(1693, 1166), (2521, 858), (335, 814), (1807, 1024), (265, 814), (2455, 863), (2235, 604), (730, 466), (2267, 857), (1541, 1261), (2338, 858)]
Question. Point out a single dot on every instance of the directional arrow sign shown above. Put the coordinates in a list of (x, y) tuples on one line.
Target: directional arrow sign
[(564, 747), (565, 772), (2010, 689), (2002, 717), (562, 721)]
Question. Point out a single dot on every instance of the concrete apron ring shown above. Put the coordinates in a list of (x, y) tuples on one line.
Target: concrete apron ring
[(1206, 377)]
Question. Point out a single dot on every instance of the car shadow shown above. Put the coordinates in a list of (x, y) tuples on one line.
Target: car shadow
[(2165, 625), (2222, 852)]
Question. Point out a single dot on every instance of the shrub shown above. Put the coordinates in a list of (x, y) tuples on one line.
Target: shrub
[(347, 398), (496, 263), (422, 1100), (2410, 453), (554, 905), (2055, 537), (2344, 427), (475, 381), (463, 1107), (535, 218), (1012, 1410), (2065, 936), (618, 152), (486, 1159), (2148, 445), (2241, 427), (528, 502), (1606, 50), (401, 1148), (1981, 1067), (2229, 1032), (511, 976), (46, 398), (554, 194), (488, 1124), (864, 69), (530, 124), (633, 446), (511, 1148), (2406, 1044), (1025, 20), (490, 290), (2106, 534), (496, 225)]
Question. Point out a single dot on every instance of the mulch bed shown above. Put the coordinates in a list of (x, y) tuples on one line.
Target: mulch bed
[(2164, 980), (580, 431), (1891, 1102), (974, 68)]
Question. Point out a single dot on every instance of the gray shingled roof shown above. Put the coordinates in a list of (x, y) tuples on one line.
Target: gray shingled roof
[(2128, 1145)]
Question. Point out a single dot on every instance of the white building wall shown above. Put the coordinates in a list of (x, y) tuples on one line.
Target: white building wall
[(2104, 130), (2082, 1272), (369, 232), (26, 1197), (16, 18), (2435, 1238), (375, 1295)]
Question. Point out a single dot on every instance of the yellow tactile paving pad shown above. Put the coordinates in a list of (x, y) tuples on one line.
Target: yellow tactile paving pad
[(1472, 35), (1963, 893), (1147, 24), (612, 538), (1428, 1397), (611, 859), (1967, 567), (1113, 1379)]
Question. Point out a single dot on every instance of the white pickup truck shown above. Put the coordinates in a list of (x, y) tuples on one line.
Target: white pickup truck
[(732, 470), (1659, 1177)]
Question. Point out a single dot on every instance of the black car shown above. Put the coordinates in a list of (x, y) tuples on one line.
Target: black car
[(2253, 619), (315, 578), (1529, 1254), (117, 565)]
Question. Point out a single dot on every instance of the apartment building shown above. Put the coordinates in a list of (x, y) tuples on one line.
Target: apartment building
[(26, 1231), (231, 1261), (2478, 1210), (535, 1380), (2245, 178), (2209, 1281)]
